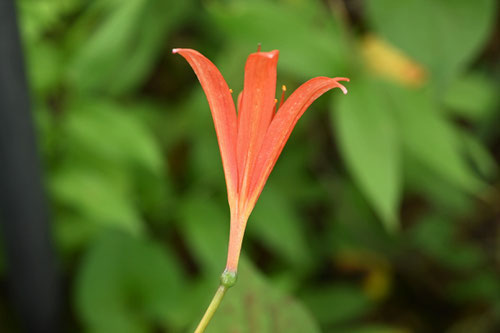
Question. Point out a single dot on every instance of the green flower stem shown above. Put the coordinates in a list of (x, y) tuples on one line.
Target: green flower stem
[(221, 291), (227, 280)]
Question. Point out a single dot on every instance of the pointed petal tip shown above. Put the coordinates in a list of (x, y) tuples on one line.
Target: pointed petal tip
[(270, 54), (174, 51)]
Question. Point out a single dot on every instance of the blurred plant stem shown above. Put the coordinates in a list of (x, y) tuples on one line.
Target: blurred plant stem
[(209, 313)]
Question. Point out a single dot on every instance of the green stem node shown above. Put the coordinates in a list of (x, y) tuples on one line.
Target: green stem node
[(227, 280)]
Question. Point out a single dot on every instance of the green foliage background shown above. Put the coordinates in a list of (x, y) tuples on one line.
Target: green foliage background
[(381, 216)]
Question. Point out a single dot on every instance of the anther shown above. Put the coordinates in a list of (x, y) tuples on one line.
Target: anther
[(230, 90), (258, 47)]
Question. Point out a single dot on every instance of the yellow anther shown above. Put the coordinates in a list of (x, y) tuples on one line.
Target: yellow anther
[(230, 90), (283, 87)]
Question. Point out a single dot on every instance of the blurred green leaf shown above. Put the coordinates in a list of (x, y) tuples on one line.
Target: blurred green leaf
[(444, 35), (205, 159), (431, 138), (194, 301), (294, 163), (39, 16), (472, 96), (482, 286), (307, 37), (437, 237), (368, 140), (92, 196), (479, 155), (442, 194), (123, 49), (372, 329), (44, 66), (127, 285), (117, 114), (337, 303), (73, 232), (354, 225), (111, 133), (275, 223), (206, 228), (253, 305)]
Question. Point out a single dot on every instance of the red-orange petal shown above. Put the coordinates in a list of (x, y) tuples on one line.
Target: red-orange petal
[(256, 111), (223, 113), (281, 127)]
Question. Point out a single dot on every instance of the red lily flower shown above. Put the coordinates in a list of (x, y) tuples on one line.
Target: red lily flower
[(251, 141)]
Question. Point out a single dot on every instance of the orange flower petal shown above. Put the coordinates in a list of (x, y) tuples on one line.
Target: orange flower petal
[(256, 111), (240, 98), (223, 113), (281, 127)]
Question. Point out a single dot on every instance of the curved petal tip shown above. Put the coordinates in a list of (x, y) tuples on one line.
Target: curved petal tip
[(175, 50), (344, 89)]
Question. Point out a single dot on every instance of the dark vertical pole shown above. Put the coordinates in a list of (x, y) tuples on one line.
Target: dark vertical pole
[(31, 266)]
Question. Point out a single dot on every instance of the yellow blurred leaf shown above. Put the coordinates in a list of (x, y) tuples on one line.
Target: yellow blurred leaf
[(389, 62)]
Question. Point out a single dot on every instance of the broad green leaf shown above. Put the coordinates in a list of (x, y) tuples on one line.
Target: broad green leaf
[(308, 39), (337, 303), (431, 138), (126, 284), (113, 134), (94, 197), (369, 144), (253, 305), (123, 49), (274, 222), (444, 35)]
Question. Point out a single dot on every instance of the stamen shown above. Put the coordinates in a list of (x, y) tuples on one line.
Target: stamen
[(283, 89), (258, 47), (274, 107), (230, 90)]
